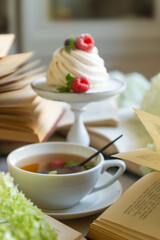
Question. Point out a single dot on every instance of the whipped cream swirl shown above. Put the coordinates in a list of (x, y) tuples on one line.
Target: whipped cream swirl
[(77, 63)]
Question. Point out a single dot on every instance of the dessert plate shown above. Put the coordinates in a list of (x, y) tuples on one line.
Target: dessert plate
[(113, 88), (92, 203)]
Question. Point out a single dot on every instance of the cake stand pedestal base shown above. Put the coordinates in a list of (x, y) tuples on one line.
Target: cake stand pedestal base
[(78, 133)]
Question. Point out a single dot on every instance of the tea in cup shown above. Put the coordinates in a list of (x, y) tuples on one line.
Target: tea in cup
[(58, 191)]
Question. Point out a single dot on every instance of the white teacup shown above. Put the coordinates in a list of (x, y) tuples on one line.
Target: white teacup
[(64, 190)]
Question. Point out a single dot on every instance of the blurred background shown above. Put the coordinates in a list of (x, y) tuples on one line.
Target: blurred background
[(126, 32)]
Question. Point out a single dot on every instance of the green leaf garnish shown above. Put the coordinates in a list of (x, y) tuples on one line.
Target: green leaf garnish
[(53, 172), (70, 163), (63, 89), (88, 166), (67, 88), (70, 44), (69, 79)]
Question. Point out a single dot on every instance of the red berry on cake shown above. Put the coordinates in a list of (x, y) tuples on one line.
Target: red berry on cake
[(85, 42), (80, 85)]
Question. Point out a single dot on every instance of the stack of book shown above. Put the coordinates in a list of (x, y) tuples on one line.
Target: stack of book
[(24, 116)]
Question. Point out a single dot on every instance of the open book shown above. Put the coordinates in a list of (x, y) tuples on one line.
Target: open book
[(97, 114), (134, 216), (143, 156), (24, 116)]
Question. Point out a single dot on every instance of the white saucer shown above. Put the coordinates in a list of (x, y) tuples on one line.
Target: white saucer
[(91, 204), (113, 87)]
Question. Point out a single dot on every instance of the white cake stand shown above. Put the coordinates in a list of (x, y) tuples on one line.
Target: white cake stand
[(77, 133)]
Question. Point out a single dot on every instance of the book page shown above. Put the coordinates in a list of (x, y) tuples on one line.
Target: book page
[(12, 135), (11, 62), (115, 231), (14, 127), (47, 115), (6, 41), (102, 113), (20, 70), (15, 79), (134, 134), (20, 97), (20, 107), (143, 157), (125, 233), (138, 208), (20, 83), (152, 124), (64, 232)]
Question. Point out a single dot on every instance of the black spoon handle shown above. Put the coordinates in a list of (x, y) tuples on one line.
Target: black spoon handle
[(99, 151)]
